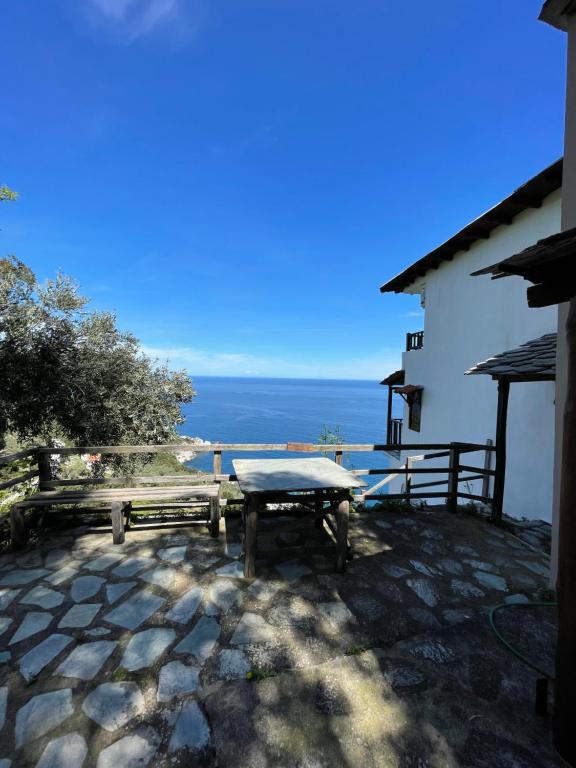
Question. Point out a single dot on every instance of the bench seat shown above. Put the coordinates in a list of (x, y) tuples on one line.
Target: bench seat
[(120, 501)]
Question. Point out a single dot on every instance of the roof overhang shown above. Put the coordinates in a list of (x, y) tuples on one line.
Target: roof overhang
[(395, 378), (408, 389), (533, 361), (556, 12), (550, 264), (529, 195)]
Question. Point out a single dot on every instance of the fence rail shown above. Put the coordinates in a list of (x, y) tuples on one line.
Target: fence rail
[(453, 475)]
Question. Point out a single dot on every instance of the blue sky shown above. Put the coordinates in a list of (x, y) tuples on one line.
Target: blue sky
[(236, 178)]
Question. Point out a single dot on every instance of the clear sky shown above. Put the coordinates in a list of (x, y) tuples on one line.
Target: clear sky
[(236, 178)]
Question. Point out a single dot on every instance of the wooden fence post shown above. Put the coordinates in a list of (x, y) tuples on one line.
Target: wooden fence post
[(338, 458), (408, 482), (217, 465), (453, 475), (487, 465), (44, 470), (501, 419)]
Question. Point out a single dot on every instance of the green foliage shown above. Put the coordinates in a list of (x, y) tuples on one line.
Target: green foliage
[(331, 435), (7, 194), (69, 372)]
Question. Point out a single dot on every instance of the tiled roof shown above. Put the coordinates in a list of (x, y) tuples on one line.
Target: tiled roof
[(533, 361), (529, 195)]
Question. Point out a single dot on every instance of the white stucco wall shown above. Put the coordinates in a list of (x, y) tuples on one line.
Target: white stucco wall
[(468, 319)]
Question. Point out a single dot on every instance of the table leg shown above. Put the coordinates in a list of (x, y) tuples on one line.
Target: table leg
[(342, 514), (251, 524), (319, 510)]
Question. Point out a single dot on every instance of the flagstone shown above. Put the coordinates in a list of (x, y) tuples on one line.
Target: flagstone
[(133, 565), (56, 558), (395, 571), (3, 703), (68, 751), (336, 612), (104, 561), (163, 576), (235, 569), (491, 581), (185, 607), (21, 576), (234, 549), (64, 574), (86, 660), (97, 632), (252, 628), (451, 566), (33, 662), (135, 610), (5, 657), (172, 554), (540, 569), (115, 591), (426, 570), (293, 570), (516, 599), (191, 730), (207, 561), (465, 589), (232, 664), (265, 591), (176, 679), (135, 751), (43, 597), (113, 705), (221, 596), (480, 565), (80, 615), (426, 590), (5, 622), (32, 623), (42, 714), (146, 647), (85, 587), (201, 640), (7, 596)]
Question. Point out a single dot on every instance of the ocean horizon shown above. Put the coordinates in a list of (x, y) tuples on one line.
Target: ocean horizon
[(278, 410)]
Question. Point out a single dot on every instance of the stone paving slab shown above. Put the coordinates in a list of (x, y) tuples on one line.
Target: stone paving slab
[(160, 635)]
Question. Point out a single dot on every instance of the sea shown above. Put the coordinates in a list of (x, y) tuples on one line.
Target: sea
[(258, 410)]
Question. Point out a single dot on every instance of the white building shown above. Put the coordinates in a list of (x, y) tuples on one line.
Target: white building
[(467, 320)]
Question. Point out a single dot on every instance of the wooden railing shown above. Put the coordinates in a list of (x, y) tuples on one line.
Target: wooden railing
[(414, 340), (454, 474), (395, 431)]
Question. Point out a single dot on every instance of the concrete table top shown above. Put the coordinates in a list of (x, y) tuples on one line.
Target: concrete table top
[(282, 475)]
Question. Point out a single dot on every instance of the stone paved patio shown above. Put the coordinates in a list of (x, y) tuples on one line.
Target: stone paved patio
[(159, 653)]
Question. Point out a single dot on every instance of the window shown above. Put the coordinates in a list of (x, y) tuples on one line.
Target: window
[(414, 400)]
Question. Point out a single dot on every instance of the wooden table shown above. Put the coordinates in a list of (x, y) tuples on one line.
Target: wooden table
[(295, 481)]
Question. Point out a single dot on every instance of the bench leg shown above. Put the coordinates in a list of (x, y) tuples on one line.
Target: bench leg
[(251, 524), (116, 513), (342, 515), (18, 528), (215, 516)]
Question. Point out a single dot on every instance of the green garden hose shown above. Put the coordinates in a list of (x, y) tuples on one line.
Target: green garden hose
[(505, 642)]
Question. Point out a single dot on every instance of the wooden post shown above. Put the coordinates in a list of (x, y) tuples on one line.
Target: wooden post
[(251, 525), (116, 513), (217, 465), (318, 510), (18, 528), (338, 458), (408, 482), (565, 677), (389, 419), (501, 419), (342, 515), (44, 470), (214, 516), (454, 465), (487, 465)]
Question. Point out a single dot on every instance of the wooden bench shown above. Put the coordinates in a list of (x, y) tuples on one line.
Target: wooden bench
[(119, 501)]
